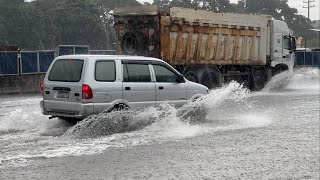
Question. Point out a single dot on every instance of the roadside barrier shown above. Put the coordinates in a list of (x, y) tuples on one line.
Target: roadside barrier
[(307, 59), (23, 71), (38, 62)]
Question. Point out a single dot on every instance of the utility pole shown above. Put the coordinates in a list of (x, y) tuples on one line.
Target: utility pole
[(309, 6)]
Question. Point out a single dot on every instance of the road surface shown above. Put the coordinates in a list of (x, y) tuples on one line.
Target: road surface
[(272, 134)]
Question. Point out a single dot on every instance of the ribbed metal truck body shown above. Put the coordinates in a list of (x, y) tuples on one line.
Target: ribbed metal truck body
[(197, 36), (205, 37)]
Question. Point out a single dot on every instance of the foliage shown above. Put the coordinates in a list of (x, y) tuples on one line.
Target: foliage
[(44, 24), (78, 22), (212, 5), (279, 9)]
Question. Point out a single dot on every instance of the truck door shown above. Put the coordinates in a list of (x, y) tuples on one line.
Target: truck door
[(278, 48)]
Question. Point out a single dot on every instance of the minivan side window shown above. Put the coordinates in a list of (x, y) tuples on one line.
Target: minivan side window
[(163, 74), (66, 70), (136, 73), (105, 71)]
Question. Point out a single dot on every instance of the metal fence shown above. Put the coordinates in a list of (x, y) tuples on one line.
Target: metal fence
[(307, 59), (9, 64), (35, 62)]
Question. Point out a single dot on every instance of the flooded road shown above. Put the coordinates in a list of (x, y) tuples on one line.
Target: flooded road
[(231, 134)]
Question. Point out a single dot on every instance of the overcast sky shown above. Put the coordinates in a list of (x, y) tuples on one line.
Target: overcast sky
[(314, 12)]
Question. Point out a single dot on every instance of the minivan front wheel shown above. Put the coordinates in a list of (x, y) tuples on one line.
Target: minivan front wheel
[(119, 107)]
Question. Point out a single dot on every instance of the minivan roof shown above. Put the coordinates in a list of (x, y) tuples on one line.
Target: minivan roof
[(123, 57)]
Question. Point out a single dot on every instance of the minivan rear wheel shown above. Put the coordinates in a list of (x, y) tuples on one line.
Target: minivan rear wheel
[(70, 120)]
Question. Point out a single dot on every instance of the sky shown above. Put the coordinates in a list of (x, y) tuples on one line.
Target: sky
[(298, 4)]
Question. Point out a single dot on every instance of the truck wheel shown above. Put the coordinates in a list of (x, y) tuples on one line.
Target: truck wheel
[(211, 78), (280, 68), (259, 78), (191, 76)]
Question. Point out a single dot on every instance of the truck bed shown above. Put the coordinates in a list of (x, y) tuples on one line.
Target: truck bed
[(188, 36)]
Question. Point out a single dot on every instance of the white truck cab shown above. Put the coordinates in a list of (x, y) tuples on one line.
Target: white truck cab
[(283, 44)]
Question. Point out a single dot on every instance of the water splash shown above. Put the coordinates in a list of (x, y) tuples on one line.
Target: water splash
[(23, 115), (303, 78), (278, 82), (165, 116), (224, 109), (105, 124), (198, 110)]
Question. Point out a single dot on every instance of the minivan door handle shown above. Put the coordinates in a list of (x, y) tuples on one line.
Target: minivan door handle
[(127, 88), (160, 87)]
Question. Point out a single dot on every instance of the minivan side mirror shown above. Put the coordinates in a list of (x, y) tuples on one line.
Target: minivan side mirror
[(180, 79)]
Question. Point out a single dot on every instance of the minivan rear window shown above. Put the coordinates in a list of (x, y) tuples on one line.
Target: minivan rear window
[(66, 70)]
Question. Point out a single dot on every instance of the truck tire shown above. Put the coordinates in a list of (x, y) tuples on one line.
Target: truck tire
[(258, 78), (210, 77), (191, 76), (132, 43)]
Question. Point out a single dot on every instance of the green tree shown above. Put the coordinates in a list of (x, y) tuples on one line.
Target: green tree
[(32, 31), (46, 24), (218, 5), (279, 9), (10, 32), (163, 4), (79, 22)]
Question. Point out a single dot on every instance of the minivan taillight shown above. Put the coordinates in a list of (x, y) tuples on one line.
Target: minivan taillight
[(86, 92), (41, 88)]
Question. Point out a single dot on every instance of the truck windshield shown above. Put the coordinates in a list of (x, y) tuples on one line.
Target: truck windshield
[(66, 70)]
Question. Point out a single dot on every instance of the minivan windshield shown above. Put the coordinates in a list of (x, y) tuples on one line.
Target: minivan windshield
[(66, 70)]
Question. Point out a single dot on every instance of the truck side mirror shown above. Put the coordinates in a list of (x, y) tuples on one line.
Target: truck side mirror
[(293, 43)]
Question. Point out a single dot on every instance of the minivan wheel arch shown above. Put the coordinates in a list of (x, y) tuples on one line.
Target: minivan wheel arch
[(196, 97), (119, 107)]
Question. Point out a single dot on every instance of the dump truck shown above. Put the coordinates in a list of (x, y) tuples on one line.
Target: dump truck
[(207, 47)]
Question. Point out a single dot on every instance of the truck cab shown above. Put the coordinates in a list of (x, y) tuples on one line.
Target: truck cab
[(283, 44)]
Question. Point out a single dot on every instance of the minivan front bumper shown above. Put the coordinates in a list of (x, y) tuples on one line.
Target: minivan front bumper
[(80, 110)]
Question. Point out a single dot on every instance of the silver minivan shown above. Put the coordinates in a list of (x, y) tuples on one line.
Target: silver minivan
[(77, 86)]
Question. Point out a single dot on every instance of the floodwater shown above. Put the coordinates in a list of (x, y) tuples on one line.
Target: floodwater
[(231, 133)]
